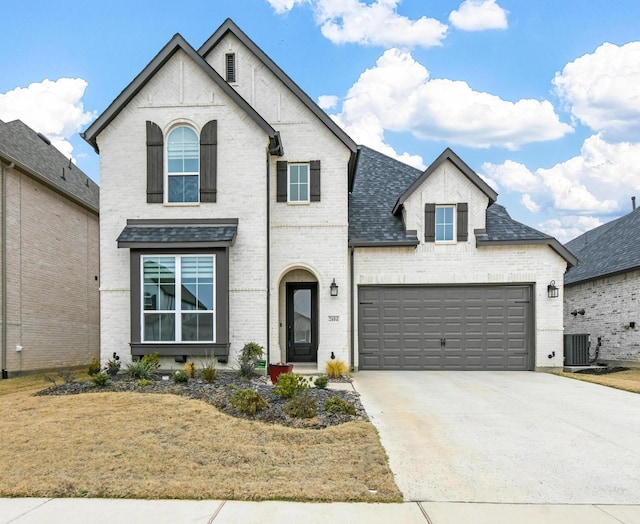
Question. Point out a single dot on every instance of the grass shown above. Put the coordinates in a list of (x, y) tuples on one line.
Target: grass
[(139, 445), (626, 380)]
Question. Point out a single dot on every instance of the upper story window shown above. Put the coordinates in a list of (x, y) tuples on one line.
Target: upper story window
[(183, 165), (230, 67), (298, 183), (445, 223)]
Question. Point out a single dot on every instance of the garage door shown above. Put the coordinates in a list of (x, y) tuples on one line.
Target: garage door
[(465, 328)]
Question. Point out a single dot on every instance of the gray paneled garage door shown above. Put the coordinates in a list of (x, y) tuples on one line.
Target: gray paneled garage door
[(466, 328)]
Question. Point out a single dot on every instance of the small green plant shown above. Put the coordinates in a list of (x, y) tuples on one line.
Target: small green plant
[(249, 402), (337, 368), (100, 378), (303, 406), (290, 385), (180, 377), (94, 367), (209, 371), (152, 361), (321, 381), (67, 375), (113, 366), (248, 359), (339, 405), (190, 369), (145, 367), (143, 383)]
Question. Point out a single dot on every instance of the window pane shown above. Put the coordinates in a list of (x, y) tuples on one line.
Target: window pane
[(298, 183), (197, 283), (183, 188), (197, 327), (159, 283), (444, 223), (183, 151), (159, 327)]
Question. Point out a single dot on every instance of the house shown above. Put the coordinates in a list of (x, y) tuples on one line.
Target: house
[(50, 256), (602, 292), (235, 210)]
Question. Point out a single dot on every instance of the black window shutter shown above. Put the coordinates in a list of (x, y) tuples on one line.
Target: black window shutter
[(155, 155), (281, 182), (208, 161), (429, 222), (314, 186), (463, 221)]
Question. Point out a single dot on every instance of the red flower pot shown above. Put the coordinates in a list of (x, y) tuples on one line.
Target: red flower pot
[(275, 370)]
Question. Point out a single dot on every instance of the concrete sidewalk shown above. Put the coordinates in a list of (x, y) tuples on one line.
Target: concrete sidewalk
[(107, 511)]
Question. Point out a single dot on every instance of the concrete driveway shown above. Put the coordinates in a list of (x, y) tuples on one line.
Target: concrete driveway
[(516, 437)]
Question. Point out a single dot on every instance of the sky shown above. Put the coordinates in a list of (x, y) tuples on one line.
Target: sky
[(540, 98)]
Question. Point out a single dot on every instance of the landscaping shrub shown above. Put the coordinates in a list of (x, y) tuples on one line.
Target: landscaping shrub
[(100, 378), (145, 367), (248, 359), (94, 367), (290, 385), (337, 368), (339, 405), (190, 369), (180, 377), (321, 382), (113, 366), (209, 371), (143, 383), (303, 406), (249, 402)]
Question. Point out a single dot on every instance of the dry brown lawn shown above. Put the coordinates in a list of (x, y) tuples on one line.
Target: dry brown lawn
[(627, 380), (137, 445)]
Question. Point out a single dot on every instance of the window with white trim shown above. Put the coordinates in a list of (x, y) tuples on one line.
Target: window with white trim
[(178, 298), (298, 183), (183, 165), (445, 223)]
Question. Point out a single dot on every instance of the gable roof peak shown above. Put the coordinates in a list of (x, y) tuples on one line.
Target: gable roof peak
[(447, 154)]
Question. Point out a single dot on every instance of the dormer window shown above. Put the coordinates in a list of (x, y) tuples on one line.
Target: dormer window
[(230, 67), (445, 223)]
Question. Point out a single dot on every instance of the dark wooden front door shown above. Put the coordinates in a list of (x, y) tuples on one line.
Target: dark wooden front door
[(302, 324)]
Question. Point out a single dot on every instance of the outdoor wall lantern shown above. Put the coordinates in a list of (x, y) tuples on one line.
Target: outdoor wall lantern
[(552, 290), (333, 288)]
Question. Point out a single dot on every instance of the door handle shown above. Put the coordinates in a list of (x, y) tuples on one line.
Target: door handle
[(443, 342)]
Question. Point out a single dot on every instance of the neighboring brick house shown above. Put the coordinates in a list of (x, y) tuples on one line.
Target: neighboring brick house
[(602, 293), (50, 256), (235, 210)]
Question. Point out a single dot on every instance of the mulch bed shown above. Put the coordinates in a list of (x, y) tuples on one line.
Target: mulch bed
[(601, 370), (219, 394)]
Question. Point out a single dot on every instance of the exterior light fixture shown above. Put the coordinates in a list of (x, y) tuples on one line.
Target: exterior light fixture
[(552, 290), (333, 288)]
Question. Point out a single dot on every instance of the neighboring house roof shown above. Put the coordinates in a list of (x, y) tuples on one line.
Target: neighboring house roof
[(150, 233), (175, 44), (34, 155), (373, 220), (229, 26), (447, 154), (609, 249)]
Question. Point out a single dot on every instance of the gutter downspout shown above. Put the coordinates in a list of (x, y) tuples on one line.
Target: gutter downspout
[(352, 320), (5, 373), (268, 221)]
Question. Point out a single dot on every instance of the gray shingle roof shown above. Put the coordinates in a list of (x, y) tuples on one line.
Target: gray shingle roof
[(611, 248), (381, 181), (177, 234), (31, 154)]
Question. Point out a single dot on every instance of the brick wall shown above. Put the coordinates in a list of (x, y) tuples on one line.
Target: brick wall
[(52, 265), (610, 304)]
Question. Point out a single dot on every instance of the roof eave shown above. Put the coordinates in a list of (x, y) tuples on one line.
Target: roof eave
[(389, 243)]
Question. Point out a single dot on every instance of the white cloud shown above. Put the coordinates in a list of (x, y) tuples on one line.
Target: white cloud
[(568, 227), (377, 23), (398, 95), (512, 176), (53, 108), (479, 15), (327, 101), (602, 89), (528, 202), (283, 6)]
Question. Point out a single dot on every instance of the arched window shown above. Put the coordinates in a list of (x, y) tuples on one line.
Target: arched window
[(183, 165)]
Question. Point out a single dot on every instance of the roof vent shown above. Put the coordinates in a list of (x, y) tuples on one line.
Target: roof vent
[(44, 139)]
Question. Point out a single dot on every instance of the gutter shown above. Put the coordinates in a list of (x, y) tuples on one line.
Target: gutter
[(352, 320), (5, 373), (268, 225)]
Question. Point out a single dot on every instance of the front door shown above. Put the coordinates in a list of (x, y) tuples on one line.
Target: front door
[(302, 328)]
